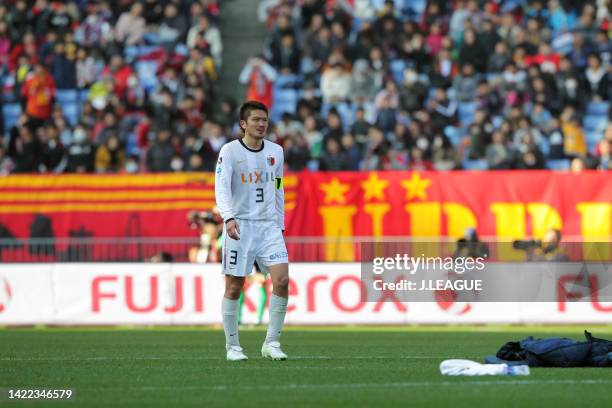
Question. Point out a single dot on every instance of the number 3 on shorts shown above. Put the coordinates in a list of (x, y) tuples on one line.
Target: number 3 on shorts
[(260, 196), (233, 257)]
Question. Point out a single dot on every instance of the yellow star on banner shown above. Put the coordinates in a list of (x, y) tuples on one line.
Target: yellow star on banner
[(374, 187), (335, 191), (416, 187)]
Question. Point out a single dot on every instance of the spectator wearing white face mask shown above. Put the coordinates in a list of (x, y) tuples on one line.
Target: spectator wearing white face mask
[(81, 152), (132, 165)]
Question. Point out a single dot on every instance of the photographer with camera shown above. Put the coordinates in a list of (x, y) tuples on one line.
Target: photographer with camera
[(546, 250), (210, 225), (470, 246)]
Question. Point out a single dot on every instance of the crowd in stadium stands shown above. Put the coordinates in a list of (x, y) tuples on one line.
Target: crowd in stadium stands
[(108, 86), (432, 84), (127, 86)]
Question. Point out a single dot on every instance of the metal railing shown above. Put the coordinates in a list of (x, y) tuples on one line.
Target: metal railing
[(136, 249), (140, 249), (301, 249)]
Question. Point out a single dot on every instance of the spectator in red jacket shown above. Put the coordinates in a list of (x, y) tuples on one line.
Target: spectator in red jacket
[(259, 77), (39, 92), (120, 73), (546, 59)]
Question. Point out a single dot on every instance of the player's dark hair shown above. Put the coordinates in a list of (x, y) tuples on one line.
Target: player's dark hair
[(250, 106)]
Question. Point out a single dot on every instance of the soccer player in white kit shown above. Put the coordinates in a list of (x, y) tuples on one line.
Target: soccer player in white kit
[(250, 197)]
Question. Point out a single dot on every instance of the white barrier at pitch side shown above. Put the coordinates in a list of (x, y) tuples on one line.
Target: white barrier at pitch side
[(174, 294)]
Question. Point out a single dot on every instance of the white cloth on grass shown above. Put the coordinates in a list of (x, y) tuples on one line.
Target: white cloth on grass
[(471, 368)]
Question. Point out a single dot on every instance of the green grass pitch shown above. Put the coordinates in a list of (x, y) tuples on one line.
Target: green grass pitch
[(328, 367)]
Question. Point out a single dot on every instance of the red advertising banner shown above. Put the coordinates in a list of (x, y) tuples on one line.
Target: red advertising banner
[(102, 205), (510, 204), (506, 205)]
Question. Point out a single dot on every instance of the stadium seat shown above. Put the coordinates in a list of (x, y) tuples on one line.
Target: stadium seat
[(8, 96), (411, 10), (285, 81), (592, 138), (11, 112), (345, 110), (285, 100), (453, 134), (397, 67), (598, 109), (467, 110), (286, 95), (147, 73), (7, 83), (595, 123), (130, 53), (558, 164), (480, 164), (151, 37), (131, 145), (492, 76), (317, 93), (452, 94), (497, 121), (431, 93), (313, 165), (71, 111), (511, 5), (325, 109), (307, 66), (417, 6), (544, 146), (346, 114), (83, 95), (66, 96), (563, 43), (134, 52), (181, 49)]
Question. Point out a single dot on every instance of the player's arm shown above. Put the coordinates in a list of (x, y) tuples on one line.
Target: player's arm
[(280, 192), (223, 192)]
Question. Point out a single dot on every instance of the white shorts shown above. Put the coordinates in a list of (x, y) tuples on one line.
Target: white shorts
[(260, 241)]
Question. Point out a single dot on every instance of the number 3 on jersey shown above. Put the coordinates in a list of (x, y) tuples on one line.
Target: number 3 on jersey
[(259, 198)]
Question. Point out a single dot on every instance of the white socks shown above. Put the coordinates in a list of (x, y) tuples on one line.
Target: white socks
[(229, 310), (278, 309)]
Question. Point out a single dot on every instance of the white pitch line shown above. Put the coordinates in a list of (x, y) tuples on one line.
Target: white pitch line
[(106, 358), (376, 385)]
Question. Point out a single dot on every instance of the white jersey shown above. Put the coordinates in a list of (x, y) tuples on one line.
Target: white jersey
[(248, 183)]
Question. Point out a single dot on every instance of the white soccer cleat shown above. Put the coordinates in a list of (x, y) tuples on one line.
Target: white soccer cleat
[(273, 351), (234, 353)]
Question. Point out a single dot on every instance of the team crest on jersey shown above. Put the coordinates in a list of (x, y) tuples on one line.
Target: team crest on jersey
[(271, 160)]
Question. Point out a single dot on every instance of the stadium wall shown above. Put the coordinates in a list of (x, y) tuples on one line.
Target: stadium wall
[(189, 294)]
